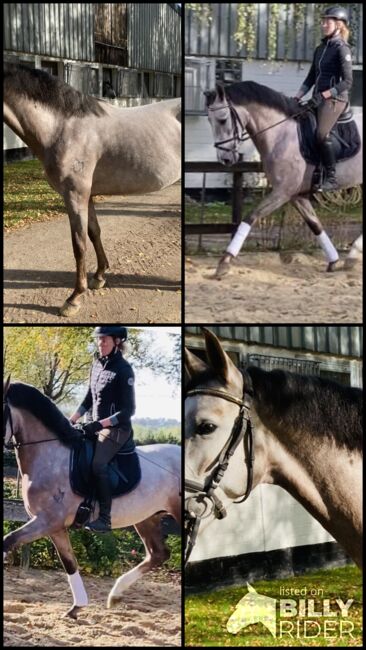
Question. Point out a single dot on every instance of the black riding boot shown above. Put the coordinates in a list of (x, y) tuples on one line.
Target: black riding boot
[(103, 523), (329, 162)]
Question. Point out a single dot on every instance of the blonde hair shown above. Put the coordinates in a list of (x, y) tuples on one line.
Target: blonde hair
[(343, 30), (122, 345)]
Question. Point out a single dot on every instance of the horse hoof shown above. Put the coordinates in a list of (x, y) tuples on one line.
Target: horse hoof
[(112, 601), (223, 269), (72, 613), (95, 283), (68, 309), (333, 266)]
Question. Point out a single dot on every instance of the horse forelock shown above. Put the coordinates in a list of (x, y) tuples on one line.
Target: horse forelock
[(25, 396), (39, 85), (207, 377)]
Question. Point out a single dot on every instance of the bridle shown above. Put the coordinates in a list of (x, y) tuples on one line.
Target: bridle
[(7, 416), (16, 445), (242, 429), (236, 122)]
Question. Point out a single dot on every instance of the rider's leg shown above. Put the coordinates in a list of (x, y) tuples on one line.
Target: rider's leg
[(328, 114), (108, 444)]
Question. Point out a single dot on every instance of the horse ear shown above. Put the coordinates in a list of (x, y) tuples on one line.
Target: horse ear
[(6, 386), (193, 364), (220, 90), (219, 361)]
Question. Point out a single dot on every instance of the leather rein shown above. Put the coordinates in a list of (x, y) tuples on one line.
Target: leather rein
[(242, 430), (236, 121)]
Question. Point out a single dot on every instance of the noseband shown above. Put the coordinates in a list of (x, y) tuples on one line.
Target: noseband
[(236, 122), (242, 429)]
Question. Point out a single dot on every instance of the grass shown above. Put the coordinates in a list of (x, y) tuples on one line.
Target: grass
[(218, 212), (28, 197), (206, 614)]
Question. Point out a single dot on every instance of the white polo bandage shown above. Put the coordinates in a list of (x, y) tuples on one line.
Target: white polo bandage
[(327, 246), (238, 239)]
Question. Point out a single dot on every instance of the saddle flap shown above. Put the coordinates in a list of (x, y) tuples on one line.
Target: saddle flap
[(124, 470)]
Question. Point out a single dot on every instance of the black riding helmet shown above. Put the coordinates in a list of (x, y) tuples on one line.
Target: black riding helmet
[(117, 331), (338, 13)]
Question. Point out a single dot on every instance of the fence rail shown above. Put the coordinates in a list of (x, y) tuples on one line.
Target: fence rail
[(206, 167)]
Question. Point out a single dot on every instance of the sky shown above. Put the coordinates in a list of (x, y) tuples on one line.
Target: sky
[(155, 397)]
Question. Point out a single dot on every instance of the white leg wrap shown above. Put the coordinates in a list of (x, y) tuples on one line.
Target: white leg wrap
[(123, 583), (327, 246), (238, 239), (78, 589)]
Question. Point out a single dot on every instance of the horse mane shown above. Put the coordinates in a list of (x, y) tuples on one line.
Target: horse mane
[(245, 92), (317, 405), (28, 397), (43, 87)]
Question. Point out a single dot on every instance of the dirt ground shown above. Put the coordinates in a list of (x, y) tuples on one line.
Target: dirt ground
[(34, 601), (272, 288), (142, 240)]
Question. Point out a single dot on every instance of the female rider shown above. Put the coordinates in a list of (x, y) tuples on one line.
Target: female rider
[(111, 396), (331, 76)]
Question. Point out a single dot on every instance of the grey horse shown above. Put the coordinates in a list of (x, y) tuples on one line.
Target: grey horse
[(43, 443), (300, 432), (88, 147), (267, 116)]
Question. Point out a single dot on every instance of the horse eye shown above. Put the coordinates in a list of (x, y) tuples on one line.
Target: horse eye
[(223, 120), (206, 427)]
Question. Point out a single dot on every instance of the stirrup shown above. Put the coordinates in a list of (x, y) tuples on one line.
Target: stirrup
[(99, 526)]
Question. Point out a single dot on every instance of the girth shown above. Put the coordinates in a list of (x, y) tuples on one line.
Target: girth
[(242, 430)]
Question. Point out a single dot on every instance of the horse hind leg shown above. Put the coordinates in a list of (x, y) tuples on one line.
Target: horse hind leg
[(98, 280), (61, 541), (156, 553), (310, 217)]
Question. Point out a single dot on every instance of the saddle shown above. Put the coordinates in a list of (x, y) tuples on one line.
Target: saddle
[(345, 136), (124, 474)]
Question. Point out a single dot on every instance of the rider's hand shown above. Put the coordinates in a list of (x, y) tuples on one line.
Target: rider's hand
[(316, 100), (326, 94), (91, 428)]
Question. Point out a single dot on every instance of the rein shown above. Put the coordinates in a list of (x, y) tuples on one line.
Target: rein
[(244, 134), (202, 492), (16, 444)]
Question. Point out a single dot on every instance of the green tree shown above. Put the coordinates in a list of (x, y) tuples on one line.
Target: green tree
[(57, 360), (54, 359)]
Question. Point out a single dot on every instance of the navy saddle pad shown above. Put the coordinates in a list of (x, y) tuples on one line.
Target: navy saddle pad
[(124, 469), (345, 135)]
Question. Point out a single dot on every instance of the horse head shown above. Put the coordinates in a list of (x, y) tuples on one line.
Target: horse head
[(214, 402), (227, 126), (7, 419)]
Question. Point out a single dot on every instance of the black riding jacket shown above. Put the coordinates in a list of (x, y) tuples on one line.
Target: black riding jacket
[(111, 391), (331, 68)]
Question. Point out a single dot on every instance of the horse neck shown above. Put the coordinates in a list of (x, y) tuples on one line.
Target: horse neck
[(315, 473), (31, 121), (260, 119), (29, 429)]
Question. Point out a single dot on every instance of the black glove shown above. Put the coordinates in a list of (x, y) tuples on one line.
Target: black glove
[(92, 428), (316, 100)]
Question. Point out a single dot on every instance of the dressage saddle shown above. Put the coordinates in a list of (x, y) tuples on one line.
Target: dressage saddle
[(345, 136), (124, 474)]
